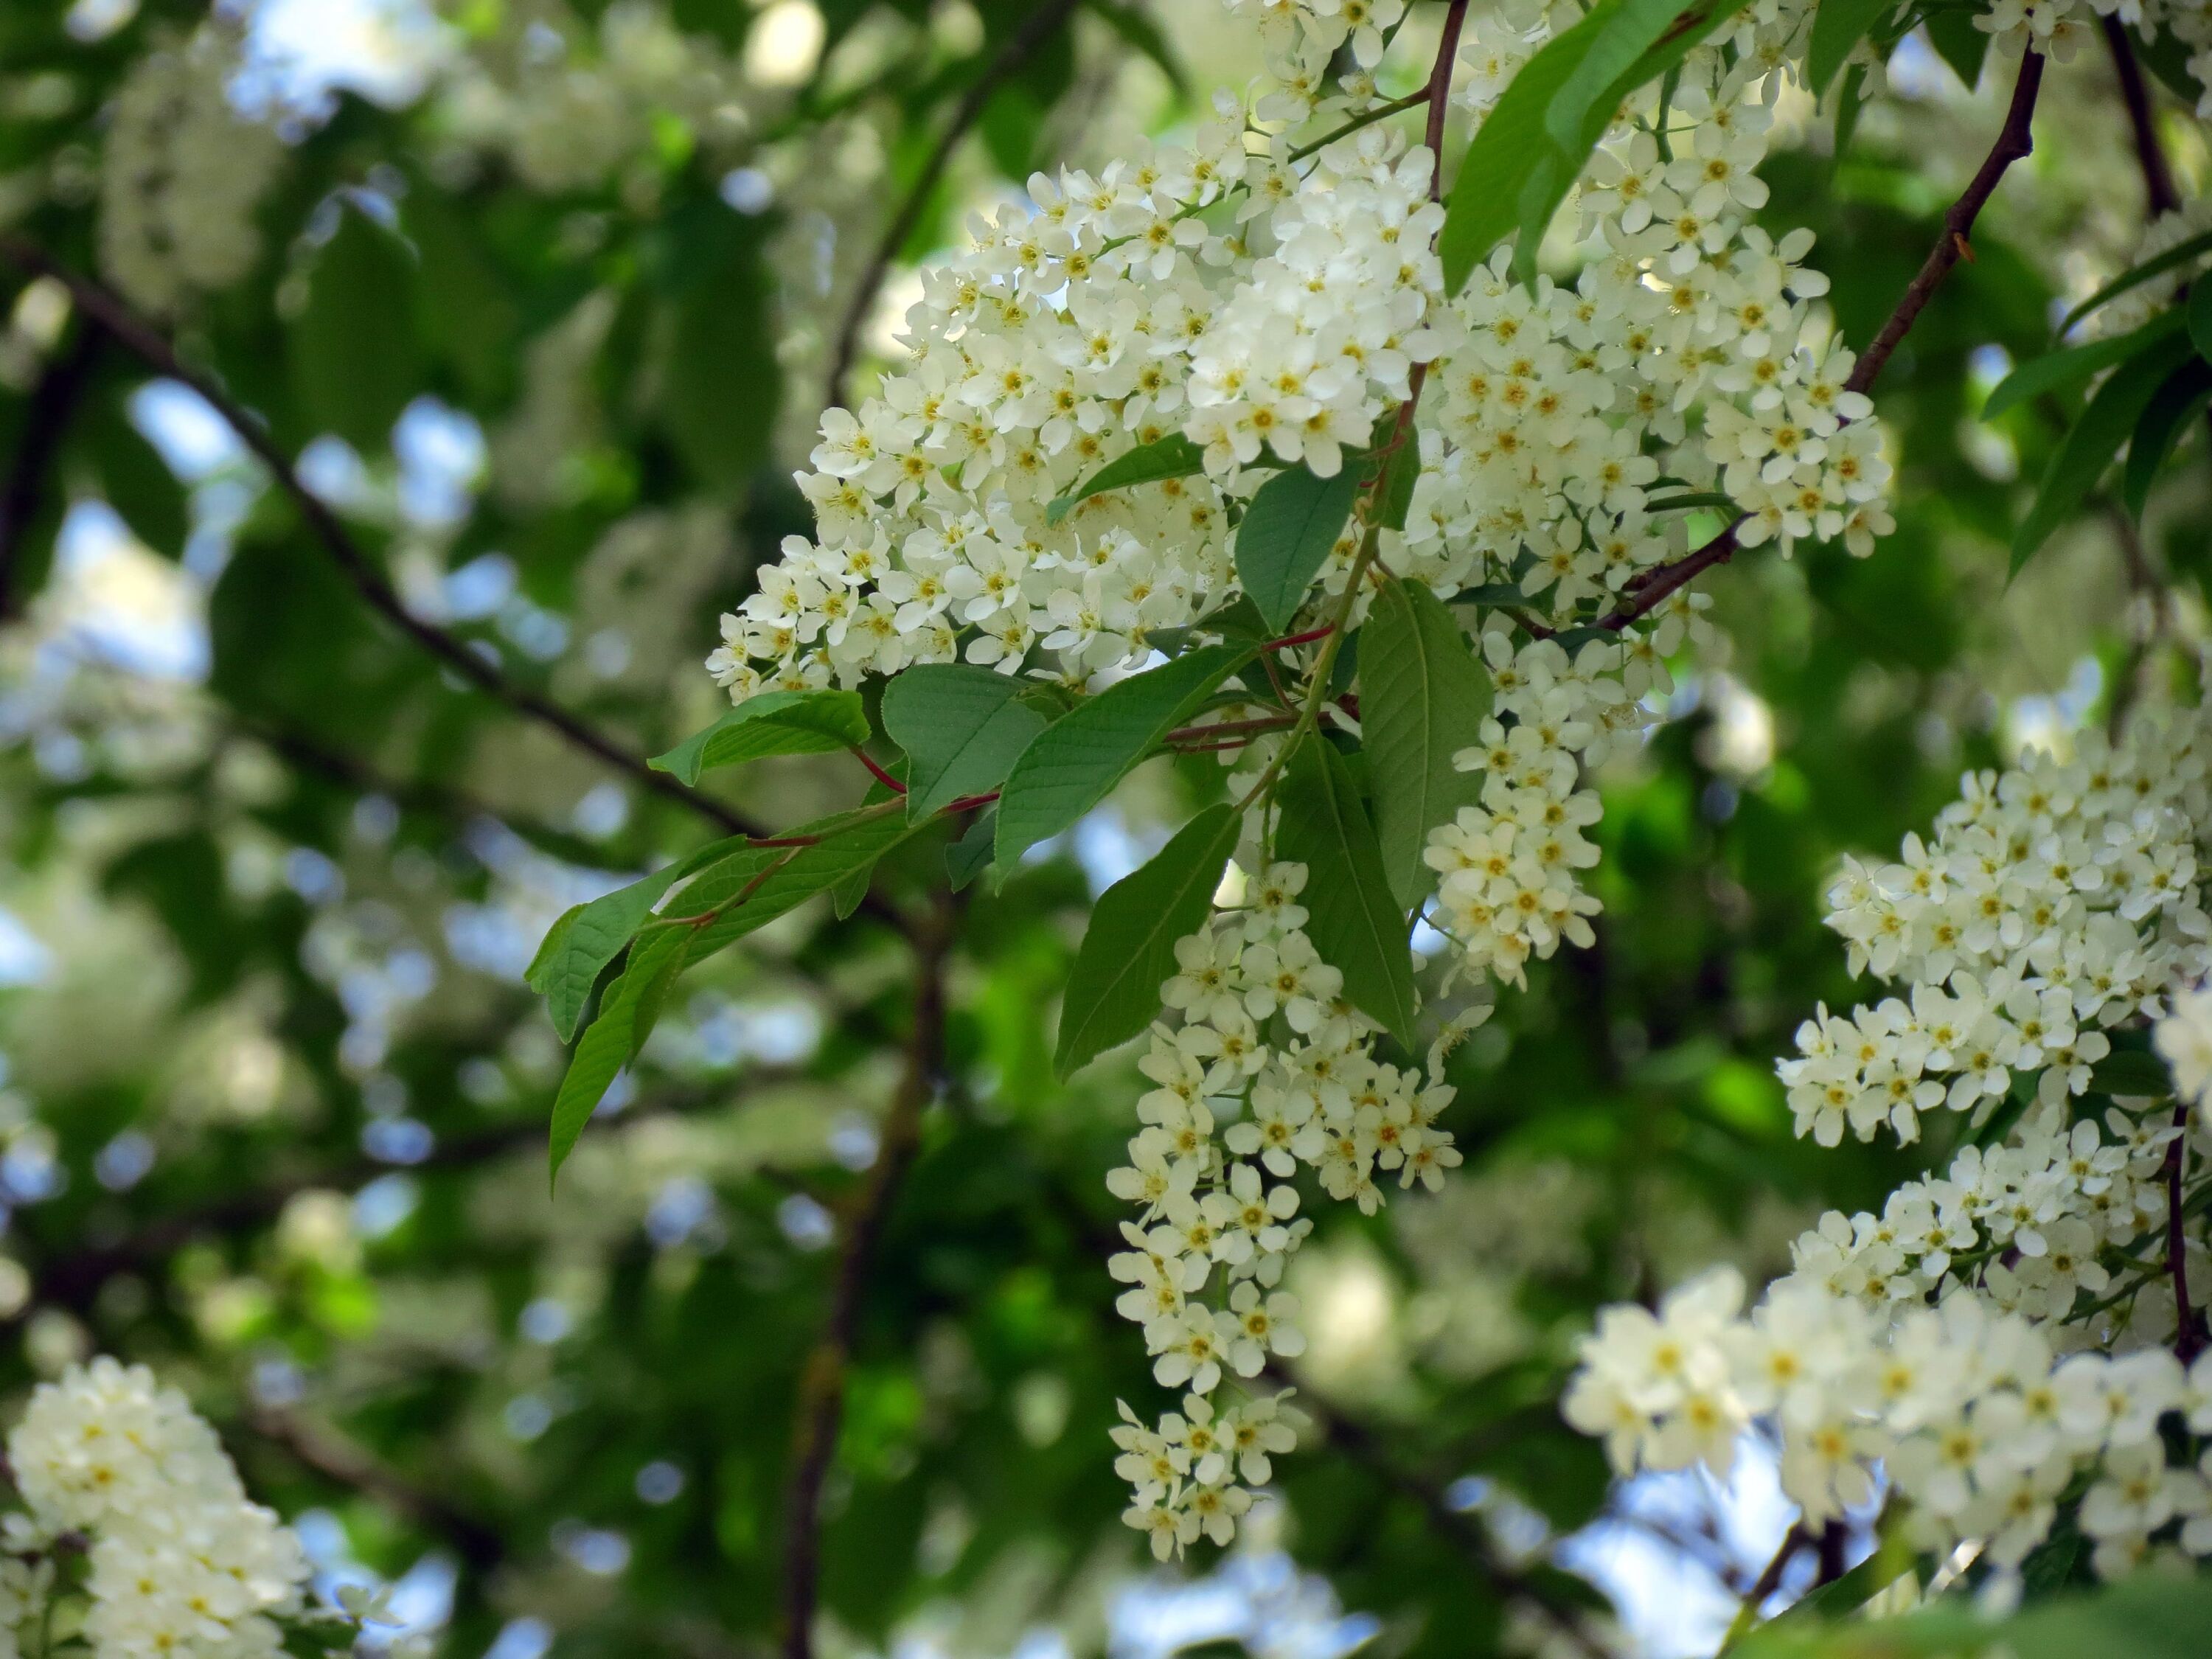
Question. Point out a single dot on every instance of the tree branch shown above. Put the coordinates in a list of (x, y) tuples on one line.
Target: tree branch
[(46, 415), (1022, 44), (2159, 193), (324, 1452), (821, 1382), (2015, 141), (146, 343), (1360, 1443)]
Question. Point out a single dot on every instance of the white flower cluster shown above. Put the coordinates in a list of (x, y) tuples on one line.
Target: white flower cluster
[(182, 175), (2057, 901), (1114, 312), (2057, 29), (1265, 1068), (1270, 306), (2029, 1225), (570, 109), (1977, 1419), (181, 1564), (2003, 1337)]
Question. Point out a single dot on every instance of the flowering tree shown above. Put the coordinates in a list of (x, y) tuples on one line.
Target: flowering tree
[(1360, 566)]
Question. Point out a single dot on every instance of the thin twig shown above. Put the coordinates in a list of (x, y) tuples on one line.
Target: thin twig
[(1024, 43), (146, 343), (2015, 141), (1360, 1443), (1768, 1582), (2159, 193), (323, 1451), (821, 1382), (45, 419)]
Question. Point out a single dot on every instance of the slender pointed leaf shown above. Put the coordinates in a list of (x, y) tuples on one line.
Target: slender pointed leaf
[(1172, 457), (2072, 364), (1286, 535), (770, 723), (2172, 409), (1422, 699), (1113, 989), (1351, 916), (578, 947), (2088, 448), (2181, 253), (962, 727), (609, 1042), (1838, 27), (1071, 765)]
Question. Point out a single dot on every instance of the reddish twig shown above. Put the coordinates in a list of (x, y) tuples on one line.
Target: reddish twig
[(2015, 140), (1306, 638), (878, 772)]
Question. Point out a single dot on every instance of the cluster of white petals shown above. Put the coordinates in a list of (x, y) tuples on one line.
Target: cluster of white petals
[(1262, 1068), (2002, 1339), (2058, 28), (182, 175), (180, 1564), (2058, 900), (1270, 306), (1981, 1419)]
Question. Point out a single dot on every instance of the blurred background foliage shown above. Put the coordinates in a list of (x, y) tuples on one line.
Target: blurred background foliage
[(546, 295)]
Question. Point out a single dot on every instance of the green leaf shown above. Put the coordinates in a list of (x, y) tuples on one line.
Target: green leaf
[(1395, 499), (968, 857), (962, 727), (589, 936), (719, 379), (611, 1040), (2179, 254), (1850, 103), (1485, 203), (1172, 457), (2065, 367), (1625, 33), (1959, 44), (1838, 27), (1287, 537), (1718, 499), (2088, 448), (1071, 765), (2131, 1071), (1113, 989), (770, 723), (1351, 916), (355, 358), (1422, 699), (2172, 409), (584, 940), (751, 887), (2150, 1616), (1519, 167)]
